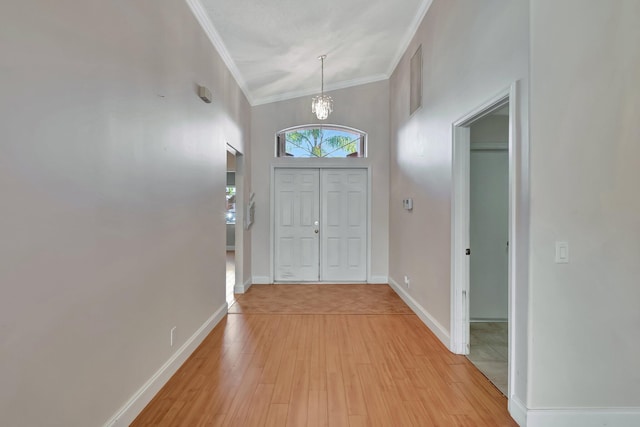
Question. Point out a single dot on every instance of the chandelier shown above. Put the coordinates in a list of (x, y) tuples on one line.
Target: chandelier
[(322, 105)]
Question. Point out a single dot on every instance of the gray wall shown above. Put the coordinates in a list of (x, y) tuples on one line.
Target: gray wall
[(585, 105), (491, 129), (112, 179), (489, 218), (471, 51), (364, 107)]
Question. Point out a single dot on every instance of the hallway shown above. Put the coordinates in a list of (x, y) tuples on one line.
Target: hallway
[(373, 363)]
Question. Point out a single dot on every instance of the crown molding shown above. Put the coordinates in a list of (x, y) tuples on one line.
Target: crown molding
[(409, 35), (203, 19)]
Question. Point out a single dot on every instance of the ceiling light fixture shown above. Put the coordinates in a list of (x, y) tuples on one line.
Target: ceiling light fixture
[(322, 105)]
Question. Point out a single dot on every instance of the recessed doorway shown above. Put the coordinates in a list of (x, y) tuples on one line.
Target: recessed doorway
[(489, 244), (320, 225), (483, 238), (234, 223)]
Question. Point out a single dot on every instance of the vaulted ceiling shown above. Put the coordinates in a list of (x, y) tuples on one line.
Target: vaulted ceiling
[(271, 46)]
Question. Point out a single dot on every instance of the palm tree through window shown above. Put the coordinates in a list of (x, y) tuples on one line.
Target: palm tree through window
[(321, 142)]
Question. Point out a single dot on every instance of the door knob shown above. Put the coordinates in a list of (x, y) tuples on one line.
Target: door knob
[(316, 231)]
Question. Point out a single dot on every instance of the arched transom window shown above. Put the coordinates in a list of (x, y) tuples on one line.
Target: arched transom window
[(315, 141)]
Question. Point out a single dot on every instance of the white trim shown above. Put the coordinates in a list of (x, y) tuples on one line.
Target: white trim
[(272, 226), (261, 280), (378, 280), (460, 240), (460, 224), (130, 410), (583, 417), (488, 107), (320, 163), (518, 411), (369, 216), (488, 320), (203, 19), (422, 313), (569, 417), (241, 289), (409, 35), (332, 282), (514, 177), (231, 248), (239, 244), (332, 126)]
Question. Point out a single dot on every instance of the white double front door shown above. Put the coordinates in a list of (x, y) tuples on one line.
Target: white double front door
[(320, 225)]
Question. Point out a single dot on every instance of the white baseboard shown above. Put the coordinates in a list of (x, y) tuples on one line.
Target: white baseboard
[(584, 417), (265, 280), (422, 313), (143, 396), (261, 280), (518, 411), (241, 289), (578, 417)]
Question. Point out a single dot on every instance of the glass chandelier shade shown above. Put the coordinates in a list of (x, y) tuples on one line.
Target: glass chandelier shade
[(322, 105)]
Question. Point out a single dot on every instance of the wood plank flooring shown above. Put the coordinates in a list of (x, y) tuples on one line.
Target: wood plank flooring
[(320, 299), (347, 369)]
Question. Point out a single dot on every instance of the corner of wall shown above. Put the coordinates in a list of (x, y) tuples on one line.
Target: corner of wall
[(244, 287)]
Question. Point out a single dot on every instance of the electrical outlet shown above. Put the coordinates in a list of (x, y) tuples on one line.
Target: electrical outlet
[(407, 283), (171, 339)]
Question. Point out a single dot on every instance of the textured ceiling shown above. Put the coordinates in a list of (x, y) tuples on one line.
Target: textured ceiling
[(271, 46)]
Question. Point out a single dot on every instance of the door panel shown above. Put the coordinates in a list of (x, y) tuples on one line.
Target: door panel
[(343, 232), (332, 201), (296, 211)]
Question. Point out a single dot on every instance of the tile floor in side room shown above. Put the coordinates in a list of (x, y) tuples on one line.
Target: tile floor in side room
[(489, 351)]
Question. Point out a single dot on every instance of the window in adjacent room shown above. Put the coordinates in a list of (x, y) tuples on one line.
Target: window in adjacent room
[(231, 197)]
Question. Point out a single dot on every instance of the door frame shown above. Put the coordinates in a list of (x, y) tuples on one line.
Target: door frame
[(239, 286), (460, 218), (312, 164)]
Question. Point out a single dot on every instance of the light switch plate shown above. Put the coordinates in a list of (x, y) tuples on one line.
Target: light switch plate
[(562, 252)]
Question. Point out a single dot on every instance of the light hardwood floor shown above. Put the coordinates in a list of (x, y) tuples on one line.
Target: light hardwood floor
[(347, 369), (320, 299)]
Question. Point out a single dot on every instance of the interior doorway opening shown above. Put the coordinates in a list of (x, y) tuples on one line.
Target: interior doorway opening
[(234, 223), (483, 238), (489, 244)]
